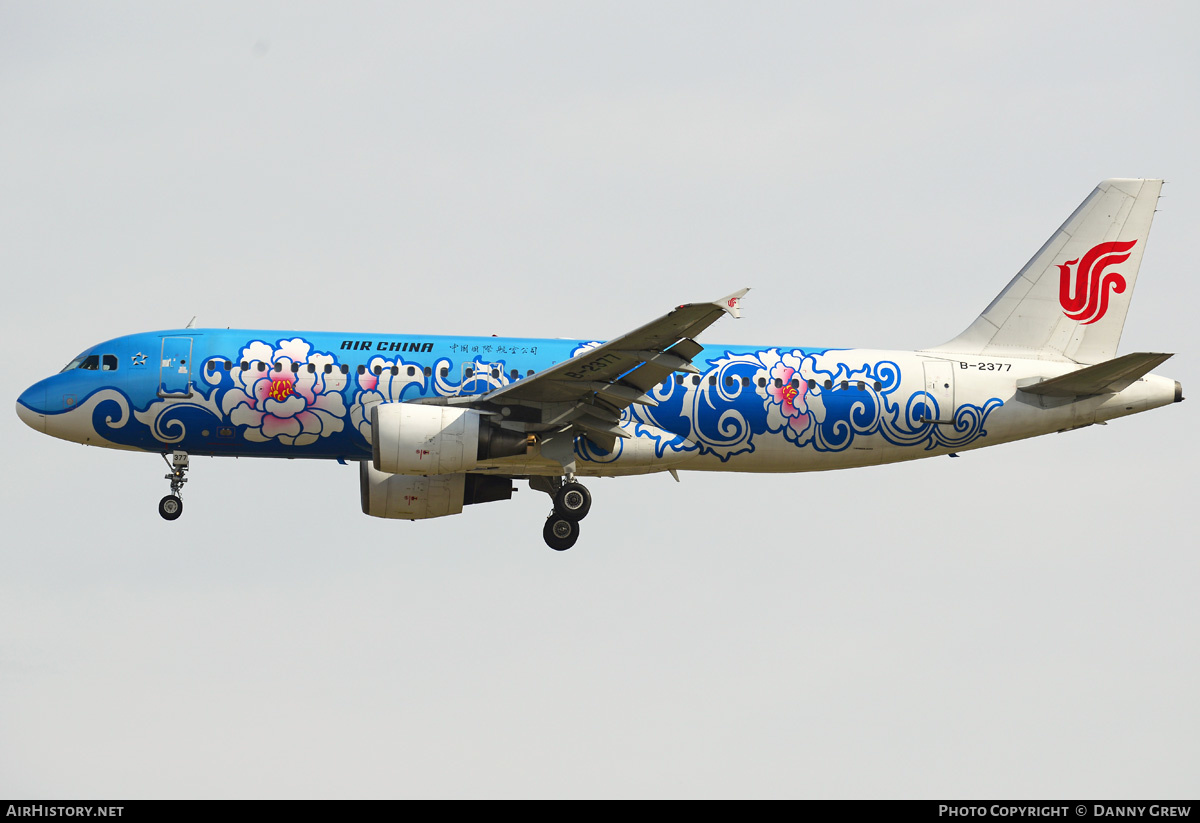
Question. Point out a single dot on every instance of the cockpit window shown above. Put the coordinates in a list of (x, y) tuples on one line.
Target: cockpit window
[(74, 364), (93, 362)]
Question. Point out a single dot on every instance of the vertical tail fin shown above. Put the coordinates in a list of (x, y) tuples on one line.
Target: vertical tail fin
[(1070, 300)]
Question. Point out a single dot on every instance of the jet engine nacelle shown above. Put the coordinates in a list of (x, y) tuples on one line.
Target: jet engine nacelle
[(417, 498), (412, 438)]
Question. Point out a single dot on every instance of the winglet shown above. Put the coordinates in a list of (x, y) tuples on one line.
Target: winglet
[(732, 303)]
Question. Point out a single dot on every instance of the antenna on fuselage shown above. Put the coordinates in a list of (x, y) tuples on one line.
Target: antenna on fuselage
[(191, 323)]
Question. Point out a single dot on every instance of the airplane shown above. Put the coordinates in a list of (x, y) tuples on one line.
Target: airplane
[(436, 423)]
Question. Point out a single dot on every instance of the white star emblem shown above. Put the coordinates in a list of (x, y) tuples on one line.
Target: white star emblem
[(139, 359)]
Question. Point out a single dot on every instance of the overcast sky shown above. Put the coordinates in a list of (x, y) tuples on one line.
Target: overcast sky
[(1020, 622)]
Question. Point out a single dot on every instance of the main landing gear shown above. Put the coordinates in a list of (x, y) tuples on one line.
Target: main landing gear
[(572, 501), (171, 506)]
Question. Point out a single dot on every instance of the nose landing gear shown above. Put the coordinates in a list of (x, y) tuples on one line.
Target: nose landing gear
[(572, 502), (171, 506)]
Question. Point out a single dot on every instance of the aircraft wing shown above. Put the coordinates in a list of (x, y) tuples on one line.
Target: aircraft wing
[(589, 391)]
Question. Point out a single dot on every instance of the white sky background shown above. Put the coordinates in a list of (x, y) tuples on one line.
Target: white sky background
[(1020, 622)]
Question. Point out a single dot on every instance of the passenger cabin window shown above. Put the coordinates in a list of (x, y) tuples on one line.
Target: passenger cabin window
[(428, 372), (411, 371)]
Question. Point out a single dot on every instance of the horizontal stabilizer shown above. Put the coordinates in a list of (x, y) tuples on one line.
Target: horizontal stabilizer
[(1102, 378)]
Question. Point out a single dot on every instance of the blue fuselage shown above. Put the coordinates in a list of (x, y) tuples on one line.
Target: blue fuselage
[(309, 394), (270, 393)]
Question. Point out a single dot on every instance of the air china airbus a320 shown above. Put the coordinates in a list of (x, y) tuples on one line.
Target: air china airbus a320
[(437, 423)]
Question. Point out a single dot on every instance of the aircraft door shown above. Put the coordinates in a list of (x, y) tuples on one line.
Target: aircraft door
[(468, 377), (175, 370), (478, 378), (939, 389)]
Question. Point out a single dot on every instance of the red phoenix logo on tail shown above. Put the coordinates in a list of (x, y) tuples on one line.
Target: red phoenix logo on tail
[(1085, 296)]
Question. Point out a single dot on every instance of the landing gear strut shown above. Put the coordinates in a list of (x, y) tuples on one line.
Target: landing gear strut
[(572, 501), (171, 506)]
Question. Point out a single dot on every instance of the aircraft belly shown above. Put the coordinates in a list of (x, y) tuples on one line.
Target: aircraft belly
[(789, 458)]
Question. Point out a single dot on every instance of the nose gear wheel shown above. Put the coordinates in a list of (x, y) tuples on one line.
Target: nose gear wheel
[(170, 507)]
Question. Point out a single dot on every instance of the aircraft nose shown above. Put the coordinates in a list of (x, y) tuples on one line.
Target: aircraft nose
[(28, 403)]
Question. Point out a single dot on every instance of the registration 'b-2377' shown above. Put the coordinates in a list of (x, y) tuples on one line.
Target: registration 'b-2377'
[(437, 423)]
